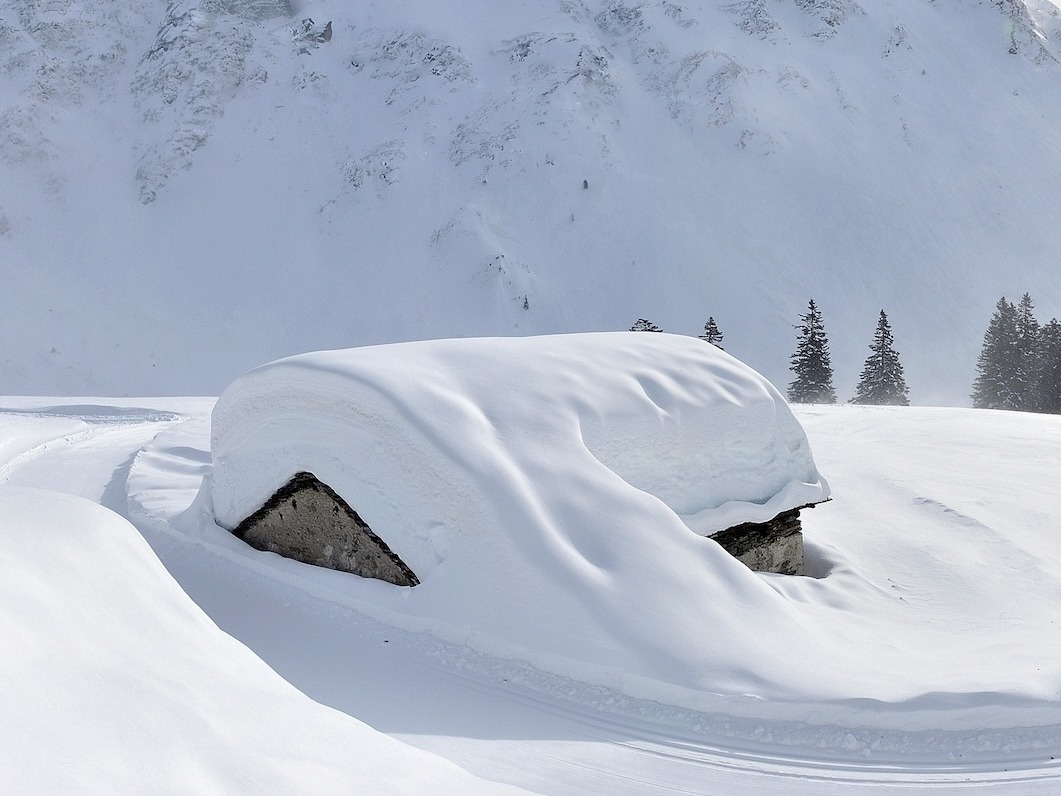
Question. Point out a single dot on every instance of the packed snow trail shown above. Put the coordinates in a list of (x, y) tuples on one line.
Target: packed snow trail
[(78, 449)]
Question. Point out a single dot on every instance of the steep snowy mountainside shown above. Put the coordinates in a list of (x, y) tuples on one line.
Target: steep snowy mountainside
[(237, 181)]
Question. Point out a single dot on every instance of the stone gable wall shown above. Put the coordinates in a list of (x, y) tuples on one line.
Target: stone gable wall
[(772, 546), (307, 521)]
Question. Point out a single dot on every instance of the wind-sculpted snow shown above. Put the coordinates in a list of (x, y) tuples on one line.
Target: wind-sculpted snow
[(532, 478), (930, 626), (115, 681), (671, 416)]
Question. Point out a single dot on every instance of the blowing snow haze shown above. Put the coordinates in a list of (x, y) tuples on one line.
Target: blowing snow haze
[(190, 189)]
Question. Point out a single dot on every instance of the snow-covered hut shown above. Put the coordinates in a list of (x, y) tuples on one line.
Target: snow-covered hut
[(386, 461)]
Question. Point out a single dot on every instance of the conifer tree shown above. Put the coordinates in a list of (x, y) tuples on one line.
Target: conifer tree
[(881, 382), (998, 383), (811, 363), (1028, 354), (712, 334), (1048, 381), (644, 326)]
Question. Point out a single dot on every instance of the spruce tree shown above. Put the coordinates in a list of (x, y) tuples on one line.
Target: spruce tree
[(1048, 380), (644, 326), (998, 383), (712, 334), (1027, 364), (881, 382), (811, 362)]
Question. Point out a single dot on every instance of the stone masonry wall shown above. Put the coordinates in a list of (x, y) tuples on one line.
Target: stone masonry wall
[(772, 546), (308, 521)]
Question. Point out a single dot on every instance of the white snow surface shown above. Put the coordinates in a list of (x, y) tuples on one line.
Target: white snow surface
[(920, 654), (114, 681), (524, 479)]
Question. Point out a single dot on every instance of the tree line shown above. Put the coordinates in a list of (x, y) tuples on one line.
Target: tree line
[(881, 381), (1019, 366)]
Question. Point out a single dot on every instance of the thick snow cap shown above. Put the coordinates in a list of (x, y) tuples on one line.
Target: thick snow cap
[(424, 439), (522, 478)]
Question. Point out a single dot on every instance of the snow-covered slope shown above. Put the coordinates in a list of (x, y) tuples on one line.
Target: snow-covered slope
[(927, 638), (218, 177), (116, 682)]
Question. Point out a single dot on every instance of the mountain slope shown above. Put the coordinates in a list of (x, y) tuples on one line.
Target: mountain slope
[(224, 181)]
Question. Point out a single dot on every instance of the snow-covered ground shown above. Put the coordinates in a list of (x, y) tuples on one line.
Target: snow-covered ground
[(115, 682), (923, 651)]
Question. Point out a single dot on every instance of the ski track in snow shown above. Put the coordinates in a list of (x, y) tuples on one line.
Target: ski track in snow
[(72, 462), (498, 719)]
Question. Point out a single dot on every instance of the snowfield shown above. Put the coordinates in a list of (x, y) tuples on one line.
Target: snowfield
[(923, 650)]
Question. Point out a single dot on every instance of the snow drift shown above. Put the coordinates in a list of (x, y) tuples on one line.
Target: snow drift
[(926, 650), (524, 479), (115, 681)]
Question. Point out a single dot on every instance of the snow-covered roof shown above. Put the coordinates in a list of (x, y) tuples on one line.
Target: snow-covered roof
[(528, 478), (432, 441)]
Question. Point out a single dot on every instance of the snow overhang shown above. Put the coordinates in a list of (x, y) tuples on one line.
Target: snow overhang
[(435, 443)]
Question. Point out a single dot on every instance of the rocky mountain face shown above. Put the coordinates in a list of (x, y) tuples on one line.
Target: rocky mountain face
[(189, 189)]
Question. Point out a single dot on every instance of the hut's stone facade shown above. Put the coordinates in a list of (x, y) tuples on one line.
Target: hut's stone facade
[(772, 546), (308, 521)]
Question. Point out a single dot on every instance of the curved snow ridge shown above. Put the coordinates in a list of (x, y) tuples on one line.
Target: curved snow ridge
[(115, 681), (537, 487)]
